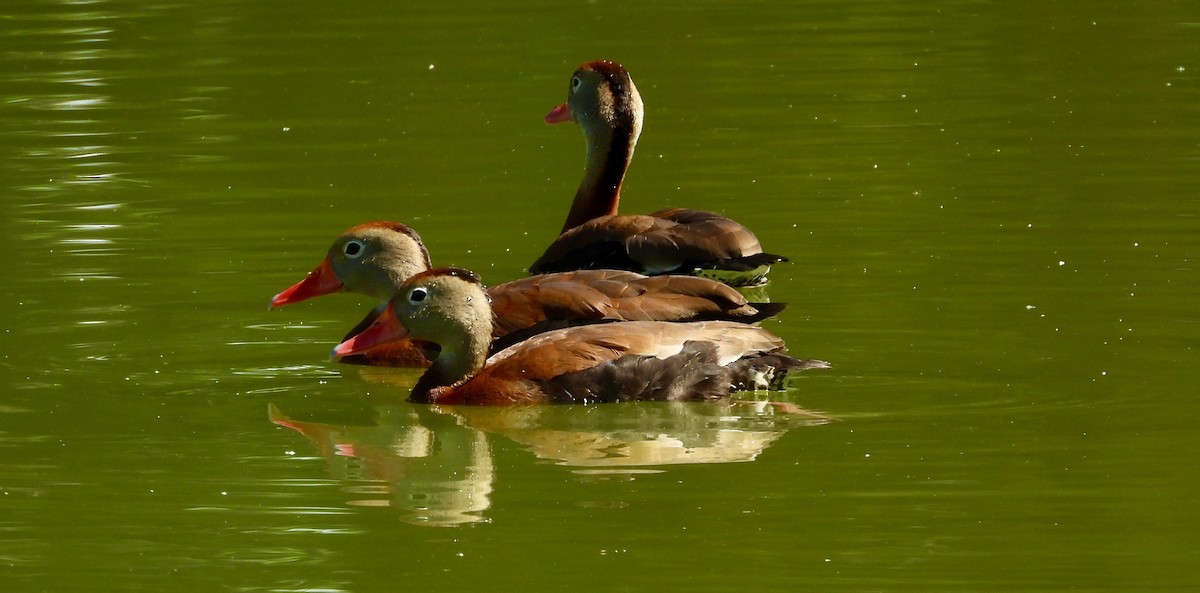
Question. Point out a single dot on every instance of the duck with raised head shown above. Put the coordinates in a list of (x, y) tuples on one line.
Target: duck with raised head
[(635, 360), (376, 257), (603, 100)]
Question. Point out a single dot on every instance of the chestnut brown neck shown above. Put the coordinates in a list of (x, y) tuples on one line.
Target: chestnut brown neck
[(448, 307), (611, 137), (609, 152), (449, 369)]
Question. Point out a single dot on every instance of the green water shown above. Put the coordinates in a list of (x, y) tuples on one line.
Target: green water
[(991, 210)]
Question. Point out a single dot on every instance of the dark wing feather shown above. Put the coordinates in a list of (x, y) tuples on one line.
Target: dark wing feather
[(677, 240), (550, 301), (609, 362)]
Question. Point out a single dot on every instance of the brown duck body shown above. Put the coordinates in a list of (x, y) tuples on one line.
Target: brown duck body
[(672, 241), (375, 258), (608, 107), (532, 305), (638, 360), (631, 361)]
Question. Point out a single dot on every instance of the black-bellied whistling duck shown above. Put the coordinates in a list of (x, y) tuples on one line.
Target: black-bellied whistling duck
[(605, 103), (634, 360), (370, 259), (374, 258)]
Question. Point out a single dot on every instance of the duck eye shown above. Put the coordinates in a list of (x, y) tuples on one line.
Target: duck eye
[(575, 82), (417, 295), (354, 249)]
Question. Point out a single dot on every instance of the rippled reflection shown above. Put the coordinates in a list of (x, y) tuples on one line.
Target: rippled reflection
[(434, 463), (437, 471), (96, 116), (66, 98), (64, 140)]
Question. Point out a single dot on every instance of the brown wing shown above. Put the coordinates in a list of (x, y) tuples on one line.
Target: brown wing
[(629, 361), (549, 355), (668, 241), (668, 298), (588, 296), (597, 243), (722, 233), (581, 295)]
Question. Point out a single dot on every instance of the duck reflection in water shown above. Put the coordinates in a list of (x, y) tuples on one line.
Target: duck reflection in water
[(427, 464), (435, 464)]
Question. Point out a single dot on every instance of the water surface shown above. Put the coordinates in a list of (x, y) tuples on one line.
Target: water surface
[(991, 213)]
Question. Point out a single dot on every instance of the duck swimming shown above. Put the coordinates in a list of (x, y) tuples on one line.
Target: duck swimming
[(606, 104), (375, 258), (635, 360)]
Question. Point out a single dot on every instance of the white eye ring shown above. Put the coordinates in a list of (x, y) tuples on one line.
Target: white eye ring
[(575, 82), (417, 295), (354, 249)]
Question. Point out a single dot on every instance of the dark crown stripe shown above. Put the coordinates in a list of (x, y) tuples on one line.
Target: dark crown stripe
[(462, 273), (398, 227)]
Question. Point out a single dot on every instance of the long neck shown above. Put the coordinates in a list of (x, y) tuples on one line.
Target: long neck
[(608, 155), (459, 359)]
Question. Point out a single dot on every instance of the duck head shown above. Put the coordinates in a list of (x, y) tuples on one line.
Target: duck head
[(371, 259), (446, 306), (606, 104)]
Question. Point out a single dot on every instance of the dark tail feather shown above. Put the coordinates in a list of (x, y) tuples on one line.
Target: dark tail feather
[(765, 310), (769, 371), (746, 263), (795, 365), (761, 259)]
